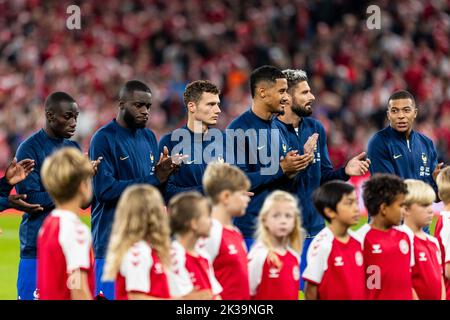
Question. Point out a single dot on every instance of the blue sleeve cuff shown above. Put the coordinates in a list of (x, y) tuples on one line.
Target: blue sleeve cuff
[(5, 187), (279, 174), (154, 181), (4, 203), (343, 175)]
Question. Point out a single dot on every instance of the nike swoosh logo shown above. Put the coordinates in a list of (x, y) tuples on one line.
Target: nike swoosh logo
[(189, 162), (260, 148), (397, 156), (124, 158)]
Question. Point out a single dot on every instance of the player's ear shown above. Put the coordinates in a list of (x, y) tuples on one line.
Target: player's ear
[(382, 209), (262, 92), (193, 224), (121, 104), (83, 187), (49, 115), (329, 213), (224, 196), (406, 211), (191, 106)]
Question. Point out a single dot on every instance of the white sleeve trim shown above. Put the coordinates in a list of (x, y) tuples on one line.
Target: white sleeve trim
[(317, 256), (75, 240), (215, 285), (180, 283), (211, 245), (256, 259), (405, 229), (436, 243), (445, 235), (136, 266)]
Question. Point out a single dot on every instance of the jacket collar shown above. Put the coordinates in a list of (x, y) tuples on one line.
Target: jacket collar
[(400, 135)]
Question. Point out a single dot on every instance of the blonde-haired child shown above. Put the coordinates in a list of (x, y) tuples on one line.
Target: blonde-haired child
[(427, 280), (65, 269), (138, 256), (227, 187), (442, 230), (275, 257)]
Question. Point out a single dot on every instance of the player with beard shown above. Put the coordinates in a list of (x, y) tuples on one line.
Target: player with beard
[(268, 87), (297, 125), (130, 156)]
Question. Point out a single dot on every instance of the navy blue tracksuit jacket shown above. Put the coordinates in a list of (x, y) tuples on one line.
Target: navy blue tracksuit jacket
[(129, 157), (415, 158), (201, 148), (265, 175), (319, 171), (37, 147)]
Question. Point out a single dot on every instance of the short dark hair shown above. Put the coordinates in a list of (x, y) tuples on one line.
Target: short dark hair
[(329, 195), (382, 188), (133, 85), (195, 89), (182, 209), (401, 94), (55, 98), (264, 73)]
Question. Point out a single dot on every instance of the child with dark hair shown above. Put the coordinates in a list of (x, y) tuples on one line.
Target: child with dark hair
[(335, 269), (387, 251)]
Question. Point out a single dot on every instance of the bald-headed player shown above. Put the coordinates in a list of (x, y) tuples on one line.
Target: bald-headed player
[(61, 113), (130, 156)]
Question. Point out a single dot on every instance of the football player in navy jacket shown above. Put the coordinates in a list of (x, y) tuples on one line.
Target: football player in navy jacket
[(299, 128), (400, 150)]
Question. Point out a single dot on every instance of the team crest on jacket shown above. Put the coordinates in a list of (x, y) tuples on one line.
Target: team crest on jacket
[(296, 273), (316, 154), (359, 258), (424, 170), (404, 246), (424, 159), (152, 161)]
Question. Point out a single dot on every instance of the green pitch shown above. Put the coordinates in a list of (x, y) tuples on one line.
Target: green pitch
[(9, 253)]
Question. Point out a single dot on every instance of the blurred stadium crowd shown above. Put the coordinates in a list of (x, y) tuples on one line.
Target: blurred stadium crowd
[(166, 44)]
